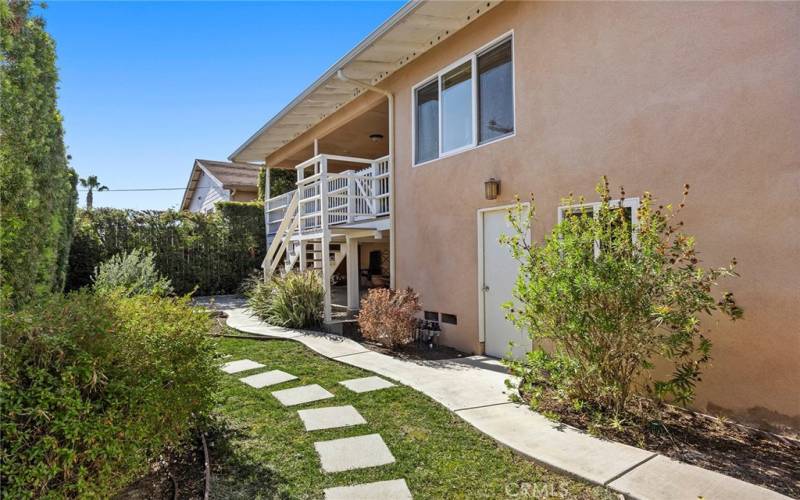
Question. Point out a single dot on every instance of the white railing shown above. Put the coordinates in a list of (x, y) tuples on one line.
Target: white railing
[(339, 198), (274, 212)]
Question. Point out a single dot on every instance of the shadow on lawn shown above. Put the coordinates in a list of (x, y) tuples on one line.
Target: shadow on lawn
[(234, 474)]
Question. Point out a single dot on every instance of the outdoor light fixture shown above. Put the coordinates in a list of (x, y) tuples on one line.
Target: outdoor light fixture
[(375, 137), (492, 187)]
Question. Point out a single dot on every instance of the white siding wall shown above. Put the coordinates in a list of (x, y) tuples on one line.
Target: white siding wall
[(206, 194)]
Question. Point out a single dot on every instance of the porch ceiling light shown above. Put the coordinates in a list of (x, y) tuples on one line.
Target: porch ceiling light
[(375, 137), (492, 188)]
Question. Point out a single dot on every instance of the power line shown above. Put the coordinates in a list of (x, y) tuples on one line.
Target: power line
[(144, 189)]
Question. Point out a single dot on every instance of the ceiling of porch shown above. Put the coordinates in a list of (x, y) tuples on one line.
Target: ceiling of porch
[(351, 139)]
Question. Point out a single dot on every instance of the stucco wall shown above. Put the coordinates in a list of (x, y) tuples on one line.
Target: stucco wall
[(654, 95), (240, 195)]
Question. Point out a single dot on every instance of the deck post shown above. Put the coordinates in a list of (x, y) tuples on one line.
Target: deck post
[(353, 295), (326, 237), (303, 255)]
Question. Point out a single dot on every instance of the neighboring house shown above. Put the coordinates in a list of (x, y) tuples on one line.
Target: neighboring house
[(546, 98), (213, 181)]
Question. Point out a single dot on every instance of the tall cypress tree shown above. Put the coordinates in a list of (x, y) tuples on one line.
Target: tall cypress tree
[(37, 187)]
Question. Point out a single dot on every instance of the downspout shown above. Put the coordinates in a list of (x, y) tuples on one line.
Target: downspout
[(392, 239)]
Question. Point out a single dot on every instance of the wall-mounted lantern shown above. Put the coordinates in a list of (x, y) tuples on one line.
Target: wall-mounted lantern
[(492, 187)]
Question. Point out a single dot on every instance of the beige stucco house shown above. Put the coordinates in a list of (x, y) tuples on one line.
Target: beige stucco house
[(394, 144), (213, 181)]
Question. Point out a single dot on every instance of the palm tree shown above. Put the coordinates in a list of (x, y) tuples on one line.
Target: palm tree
[(91, 183)]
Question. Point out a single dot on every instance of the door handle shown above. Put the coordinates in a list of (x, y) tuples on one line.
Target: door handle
[(485, 288)]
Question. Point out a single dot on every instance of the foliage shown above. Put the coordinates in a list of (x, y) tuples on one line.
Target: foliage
[(91, 183), (250, 461), (262, 184), (387, 316), (281, 181), (96, 386), (294, 300), (37, 187), (131, 274), (612, 305), (211, 253)]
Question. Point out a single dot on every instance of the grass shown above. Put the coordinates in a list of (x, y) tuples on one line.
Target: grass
[(261, 449)]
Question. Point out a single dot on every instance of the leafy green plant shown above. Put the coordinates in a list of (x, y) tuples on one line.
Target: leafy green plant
[(294, 300), (131, 274), (95, 387), (611, 300), (387, 316), (37, 186), (210, 253)]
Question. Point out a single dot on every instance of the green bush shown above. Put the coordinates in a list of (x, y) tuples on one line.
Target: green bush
[(94, 387), (294, 300), (207, 253), (37, 186), (131, 274), (612, 305)]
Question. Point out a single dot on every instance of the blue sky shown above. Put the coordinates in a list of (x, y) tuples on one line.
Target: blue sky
[(147, 87)]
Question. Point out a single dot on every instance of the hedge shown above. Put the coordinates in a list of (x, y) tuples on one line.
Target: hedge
[(206, 253), (37, 187), (94, 387)]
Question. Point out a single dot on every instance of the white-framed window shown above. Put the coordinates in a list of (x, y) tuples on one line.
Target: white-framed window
[(467, 104), (629, 205)]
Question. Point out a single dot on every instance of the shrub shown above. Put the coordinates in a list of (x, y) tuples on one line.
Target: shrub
[(208, 252), (613, 305), (294, 300), (131, 274), (37, 186), (96, 386), (387, 316)]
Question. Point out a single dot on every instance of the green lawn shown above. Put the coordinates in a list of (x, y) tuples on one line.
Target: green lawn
[(263, 450)]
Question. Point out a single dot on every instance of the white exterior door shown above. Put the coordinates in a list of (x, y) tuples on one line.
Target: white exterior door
[(499, 272)]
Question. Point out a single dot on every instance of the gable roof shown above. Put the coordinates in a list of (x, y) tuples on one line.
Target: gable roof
[(413, 30), (227, 175)]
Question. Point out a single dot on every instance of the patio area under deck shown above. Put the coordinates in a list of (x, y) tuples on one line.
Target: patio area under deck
[(340, 209)]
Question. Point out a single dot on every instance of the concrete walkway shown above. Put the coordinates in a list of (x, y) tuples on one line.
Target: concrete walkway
[(474, 389)]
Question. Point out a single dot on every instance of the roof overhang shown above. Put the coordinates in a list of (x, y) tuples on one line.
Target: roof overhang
[(413, 30)]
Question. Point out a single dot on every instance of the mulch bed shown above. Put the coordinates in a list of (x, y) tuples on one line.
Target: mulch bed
[(416, 352), (179, 474), (752, 455)]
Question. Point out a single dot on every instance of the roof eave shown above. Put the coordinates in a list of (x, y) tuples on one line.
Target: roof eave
[(397, 17)]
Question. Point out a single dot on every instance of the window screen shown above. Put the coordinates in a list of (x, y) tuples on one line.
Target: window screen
[(495, 93), (427, 122)]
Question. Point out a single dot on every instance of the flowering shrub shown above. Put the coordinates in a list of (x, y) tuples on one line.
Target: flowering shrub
[(387, 316), (612, 304)]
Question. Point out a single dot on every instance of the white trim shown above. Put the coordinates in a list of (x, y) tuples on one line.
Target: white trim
[(632, 203), (437, 76), (481, 270)]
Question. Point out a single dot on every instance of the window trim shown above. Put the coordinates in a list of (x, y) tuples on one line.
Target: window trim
[(437, 76), (632, 203)]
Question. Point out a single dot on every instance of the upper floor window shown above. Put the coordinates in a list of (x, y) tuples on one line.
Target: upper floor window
[(467, 104), (629, 207)]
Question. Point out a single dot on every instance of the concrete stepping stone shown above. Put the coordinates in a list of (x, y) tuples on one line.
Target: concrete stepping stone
[(353, 453), (330, 418), (241, 365), (302, 394), (273, 377), (396, 489), (366, 384)]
